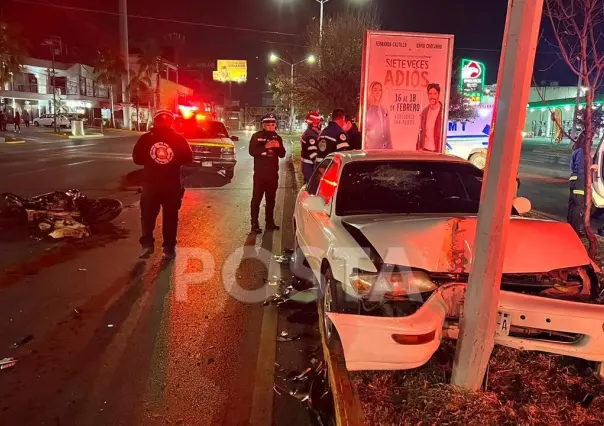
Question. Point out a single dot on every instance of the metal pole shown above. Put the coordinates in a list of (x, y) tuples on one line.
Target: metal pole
[(291, 101), (54, 87), (477, 334), (124, 52), (573, 132)]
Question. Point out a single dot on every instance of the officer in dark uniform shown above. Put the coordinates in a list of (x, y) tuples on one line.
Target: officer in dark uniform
[(163, 152), (333, 138), (576, 183), (266, 146), (309, 144), (354, 134)]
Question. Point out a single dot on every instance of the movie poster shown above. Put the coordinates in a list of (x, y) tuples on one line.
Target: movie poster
[(405, 90)]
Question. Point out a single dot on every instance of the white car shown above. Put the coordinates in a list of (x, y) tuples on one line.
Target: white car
[(388, 236), (48, 120)]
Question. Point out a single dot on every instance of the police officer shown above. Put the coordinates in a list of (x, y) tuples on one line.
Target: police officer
[(309, 144), (333, 138), (354, 134), (162, 152), (266, 146), (576, 183)]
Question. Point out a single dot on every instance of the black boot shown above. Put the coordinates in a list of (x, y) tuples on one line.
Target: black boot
[(256, 228), (271, 226)]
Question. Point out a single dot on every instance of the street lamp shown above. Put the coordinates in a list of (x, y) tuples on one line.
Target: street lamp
[(310, 59)]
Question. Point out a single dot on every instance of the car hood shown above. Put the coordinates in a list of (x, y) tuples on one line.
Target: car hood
[(446, 244), (223, 142)]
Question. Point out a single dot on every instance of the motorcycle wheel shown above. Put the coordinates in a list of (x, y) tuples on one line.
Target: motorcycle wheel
[(101, 210)]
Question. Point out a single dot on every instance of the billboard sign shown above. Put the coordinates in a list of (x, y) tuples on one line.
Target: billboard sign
[(231, 71), (471, 81), (405, 90)]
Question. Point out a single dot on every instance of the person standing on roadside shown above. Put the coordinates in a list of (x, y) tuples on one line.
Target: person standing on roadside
[(17, 122), (2, 121), (354, 135), (266, 146), (576, 183), (309, 145), (26, 118), (162, 152), (333, 138)]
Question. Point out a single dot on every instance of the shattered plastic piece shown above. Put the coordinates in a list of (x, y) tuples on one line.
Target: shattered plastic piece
[(306, 296), (282, 259), (109, 325), (77, 311), (284, 333), (300, 396), (7, 363), (303, 376), (22, 342), (285, 337)]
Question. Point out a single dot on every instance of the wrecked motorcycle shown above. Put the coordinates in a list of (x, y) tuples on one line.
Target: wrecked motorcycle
[(59, 209)]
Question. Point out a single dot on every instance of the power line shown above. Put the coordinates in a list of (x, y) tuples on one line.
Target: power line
[(152, 18)]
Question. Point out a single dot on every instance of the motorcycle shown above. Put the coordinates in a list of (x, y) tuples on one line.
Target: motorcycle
[(58, 205)]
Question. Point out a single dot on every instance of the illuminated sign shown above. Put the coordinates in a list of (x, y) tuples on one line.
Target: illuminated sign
[(471, 81), (231, 71)]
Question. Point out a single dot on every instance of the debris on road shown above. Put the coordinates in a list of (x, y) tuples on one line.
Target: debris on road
[(109, 325), (22, 342), (64, 228), (282, 259), (7, 363), (82, 269), (285, 337)]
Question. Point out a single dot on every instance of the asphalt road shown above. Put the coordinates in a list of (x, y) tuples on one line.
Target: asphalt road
[(122, 342), (117, 341)]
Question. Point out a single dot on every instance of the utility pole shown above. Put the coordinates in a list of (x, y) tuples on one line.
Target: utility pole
[(322, 2), (477, 334), (54, 86), (124, 52)]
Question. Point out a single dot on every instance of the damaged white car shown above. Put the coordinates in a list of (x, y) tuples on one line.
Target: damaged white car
[(389, 238)]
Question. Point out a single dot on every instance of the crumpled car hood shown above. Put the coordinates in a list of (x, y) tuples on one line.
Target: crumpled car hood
[(446, 244)]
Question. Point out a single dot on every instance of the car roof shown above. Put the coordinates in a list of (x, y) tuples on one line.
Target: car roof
[(389, 154)]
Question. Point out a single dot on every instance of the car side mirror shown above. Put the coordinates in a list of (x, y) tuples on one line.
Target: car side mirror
[(235, 138), (315, 204), (522, 205)]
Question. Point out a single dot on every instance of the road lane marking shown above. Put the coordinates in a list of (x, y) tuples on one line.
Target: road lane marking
[(25, 172)]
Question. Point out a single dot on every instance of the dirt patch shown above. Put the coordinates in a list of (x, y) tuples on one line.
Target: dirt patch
[(524, 388)]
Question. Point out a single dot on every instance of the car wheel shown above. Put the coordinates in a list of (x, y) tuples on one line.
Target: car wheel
[(36, 124), (331, 301), (479, 160)]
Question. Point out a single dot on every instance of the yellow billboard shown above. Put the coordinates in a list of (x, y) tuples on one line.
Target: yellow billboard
[(231, 70)]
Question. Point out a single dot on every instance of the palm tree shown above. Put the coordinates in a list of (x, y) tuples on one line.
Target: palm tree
[(149, 63), (109, 69), (139, 88), (12, 51)]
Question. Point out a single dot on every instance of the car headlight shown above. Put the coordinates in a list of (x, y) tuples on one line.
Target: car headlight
[(227, 150), (391, 284)]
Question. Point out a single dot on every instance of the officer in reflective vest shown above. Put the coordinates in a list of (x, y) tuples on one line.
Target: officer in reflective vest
[(576, 198), (309, 144), (333, 138), (266, 146)]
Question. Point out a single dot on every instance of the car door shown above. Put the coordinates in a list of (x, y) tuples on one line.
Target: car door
[(316, 224)]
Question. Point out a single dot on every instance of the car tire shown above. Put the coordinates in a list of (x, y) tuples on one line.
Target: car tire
[(331, 300), (479, 160), (36, 124)]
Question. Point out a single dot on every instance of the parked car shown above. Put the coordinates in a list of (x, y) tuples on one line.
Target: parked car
[(213, 148), (388, 238), (48, 120)]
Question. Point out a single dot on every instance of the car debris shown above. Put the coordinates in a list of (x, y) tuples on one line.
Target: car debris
[(22, 342), (285, 337), (7, 363)]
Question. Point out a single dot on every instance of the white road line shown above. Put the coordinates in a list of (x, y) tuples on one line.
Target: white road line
[(26, 172)]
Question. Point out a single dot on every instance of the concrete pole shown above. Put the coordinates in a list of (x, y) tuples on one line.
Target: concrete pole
[(478, 322), (124, 52)]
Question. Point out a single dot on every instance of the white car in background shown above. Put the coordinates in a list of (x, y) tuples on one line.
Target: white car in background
[(388, 236), (47, 120)]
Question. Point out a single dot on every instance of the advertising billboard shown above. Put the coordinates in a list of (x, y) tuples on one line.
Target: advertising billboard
[(405, 90), (231, 71), (471, 80)]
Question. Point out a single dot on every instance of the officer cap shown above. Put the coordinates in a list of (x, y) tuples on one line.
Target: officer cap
[(269, 119)]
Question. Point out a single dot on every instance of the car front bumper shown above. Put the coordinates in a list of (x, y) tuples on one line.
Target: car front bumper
[(215, 163), (368, 343)]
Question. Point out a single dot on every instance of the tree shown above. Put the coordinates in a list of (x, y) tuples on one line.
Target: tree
[(109, 69), (140, 88), (12, 52), (578, 26), (335, 81)]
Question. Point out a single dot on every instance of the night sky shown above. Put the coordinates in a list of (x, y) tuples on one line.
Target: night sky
[(477, 26)]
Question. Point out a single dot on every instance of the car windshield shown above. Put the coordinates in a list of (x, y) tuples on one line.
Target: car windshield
[(206, 130), (420, 187)]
